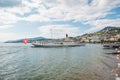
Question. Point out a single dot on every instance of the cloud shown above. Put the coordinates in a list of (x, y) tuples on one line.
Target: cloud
[(8, 18), (4, 36), (99, 24), (34, 18), (5, 27), (80, 11), (65, 10), (9, 3), (62, 10), (58, 31)]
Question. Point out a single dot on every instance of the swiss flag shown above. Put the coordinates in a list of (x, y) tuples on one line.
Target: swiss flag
[(25, 41)]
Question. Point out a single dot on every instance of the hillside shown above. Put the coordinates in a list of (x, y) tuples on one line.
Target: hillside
[(109, 31), (105, 31), (30, 40)]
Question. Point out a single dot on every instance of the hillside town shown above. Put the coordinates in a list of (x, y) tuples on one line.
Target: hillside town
[(108, 34)]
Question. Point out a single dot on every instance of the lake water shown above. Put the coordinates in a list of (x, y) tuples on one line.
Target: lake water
[(22, 62)]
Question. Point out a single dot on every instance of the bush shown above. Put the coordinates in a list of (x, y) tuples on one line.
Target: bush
[(119, 40)]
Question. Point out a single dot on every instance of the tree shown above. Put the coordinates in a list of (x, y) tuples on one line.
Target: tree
[(102, 41), (119, 40)]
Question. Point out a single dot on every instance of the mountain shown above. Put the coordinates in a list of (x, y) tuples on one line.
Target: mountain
[(110, 28), (107, 31), (30, 40), (104, 33)]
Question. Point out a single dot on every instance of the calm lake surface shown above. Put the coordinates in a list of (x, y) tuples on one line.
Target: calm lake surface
[(22, 62)]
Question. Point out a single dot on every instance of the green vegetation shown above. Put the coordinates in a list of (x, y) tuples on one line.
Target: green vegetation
[(104, 35), (119, 40)]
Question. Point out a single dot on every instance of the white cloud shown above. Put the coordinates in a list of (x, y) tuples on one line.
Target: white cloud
[(21, 10), (78, 10), (58, 31), (7, 36), (5, 27), (8, 18), (8, 14), (33, 18), (99, 24), (61, 10)]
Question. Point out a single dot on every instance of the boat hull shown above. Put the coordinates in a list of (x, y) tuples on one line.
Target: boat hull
[(114, 53), (57, 45), (112, 45)]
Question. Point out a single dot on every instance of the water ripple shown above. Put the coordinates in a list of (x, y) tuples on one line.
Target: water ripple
[(21, 62)]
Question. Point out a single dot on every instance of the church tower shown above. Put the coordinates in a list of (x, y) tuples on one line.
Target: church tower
[(67, 38)]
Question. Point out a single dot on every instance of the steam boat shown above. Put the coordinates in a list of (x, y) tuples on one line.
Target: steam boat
[(57, 43)]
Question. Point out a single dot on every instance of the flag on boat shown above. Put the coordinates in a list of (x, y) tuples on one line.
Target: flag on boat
[(25, 41)]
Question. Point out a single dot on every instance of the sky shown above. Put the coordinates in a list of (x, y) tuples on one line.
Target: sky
[(54, 18)]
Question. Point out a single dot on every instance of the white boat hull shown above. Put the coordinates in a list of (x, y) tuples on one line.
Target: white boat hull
[(64, 44)]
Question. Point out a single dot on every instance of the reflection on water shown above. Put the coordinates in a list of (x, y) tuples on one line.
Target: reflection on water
[(21, 62)]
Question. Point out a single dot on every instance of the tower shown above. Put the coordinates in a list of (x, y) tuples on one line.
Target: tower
[(67, 38)]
